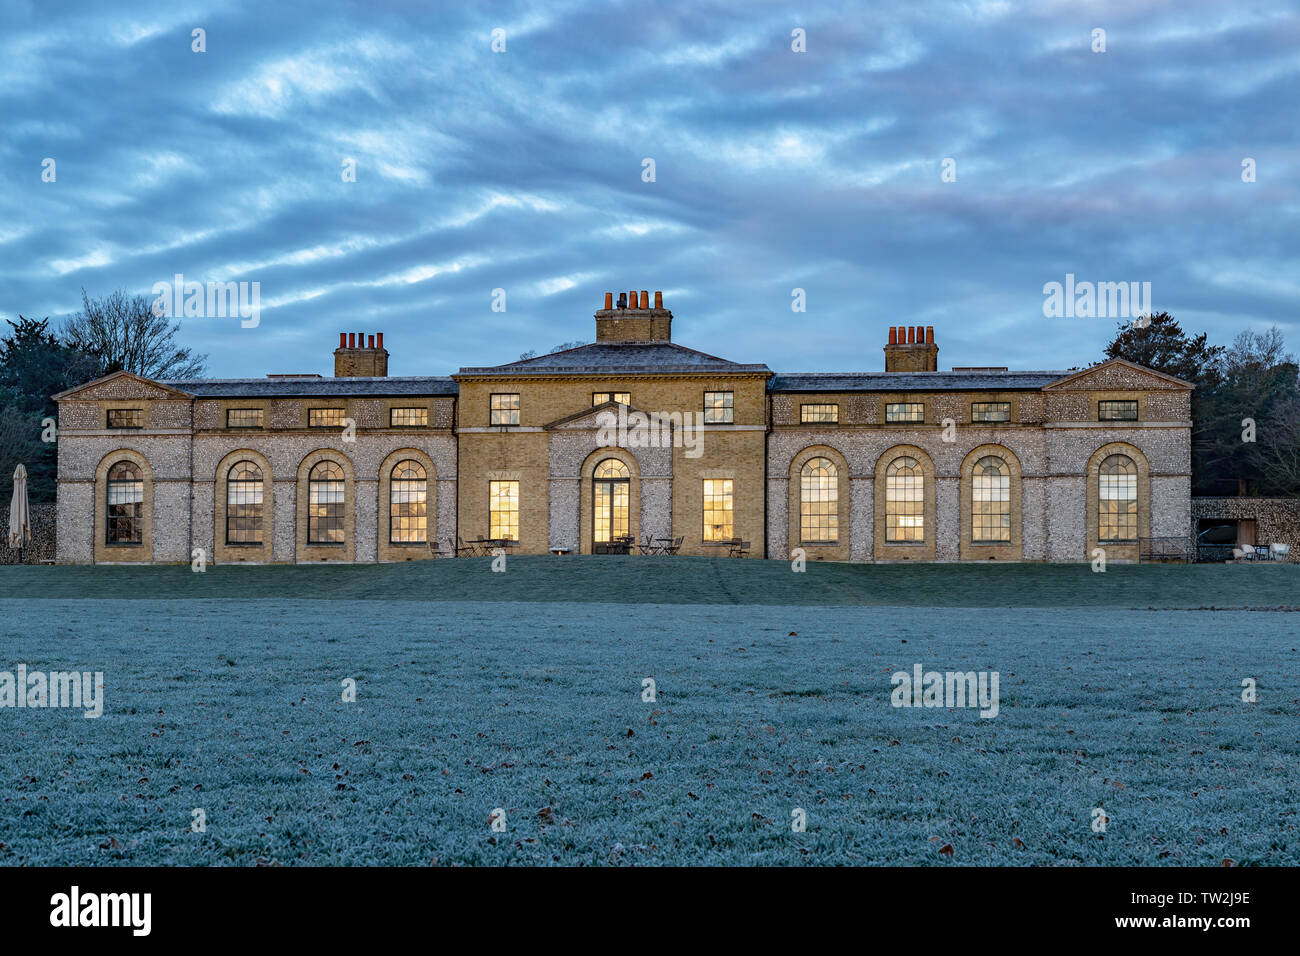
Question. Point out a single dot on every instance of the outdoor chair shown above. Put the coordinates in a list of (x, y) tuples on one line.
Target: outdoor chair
[(1279, 550), (675, 546), (738, 549)]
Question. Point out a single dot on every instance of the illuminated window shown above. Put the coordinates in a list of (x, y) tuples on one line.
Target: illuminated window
[(325, 490), (126, 418), (125, 524), (819, 413), (244, 503), (904, 501), (408, 417), (819, 501), (905, 412), (719, 407), (325, 417), (611, 496), (503, 509), (1117, 411), (408, 490), (718, 509), (623, 398), (505, 411), (990, 412), (243, 418), (990, 501), (1117, 499)]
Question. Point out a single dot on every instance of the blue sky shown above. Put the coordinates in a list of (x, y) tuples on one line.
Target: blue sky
[(774, 170)]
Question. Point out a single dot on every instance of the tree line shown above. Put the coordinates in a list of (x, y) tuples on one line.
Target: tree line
[(109, 334), (1245, 410)]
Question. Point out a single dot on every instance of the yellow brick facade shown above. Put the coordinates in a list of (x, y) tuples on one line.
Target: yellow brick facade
[(634, 435)]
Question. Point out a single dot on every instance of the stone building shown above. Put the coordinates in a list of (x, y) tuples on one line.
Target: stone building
[(632, 436)]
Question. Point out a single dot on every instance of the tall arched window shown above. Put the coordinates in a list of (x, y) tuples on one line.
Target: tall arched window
[(125, 514), (819, 501), (1117, 499), (325, 492), (408, 519), (990, 501), (904, 501), (611, 498), (244, 503)]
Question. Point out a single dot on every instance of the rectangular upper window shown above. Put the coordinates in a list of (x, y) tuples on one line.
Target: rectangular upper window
[(126, 418), (325, 417), (719, 407), (990, 412), (599, 398), (905, 412), (1112, 411), (819, 413), (505, 409), (243, 418), (408, 417)]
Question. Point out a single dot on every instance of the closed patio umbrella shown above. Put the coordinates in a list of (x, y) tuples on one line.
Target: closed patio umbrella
[(20, 515)]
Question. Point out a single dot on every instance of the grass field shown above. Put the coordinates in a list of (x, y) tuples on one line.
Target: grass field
[(222, 692), (687, 580)]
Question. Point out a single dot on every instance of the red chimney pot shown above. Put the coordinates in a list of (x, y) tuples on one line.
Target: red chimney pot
[(343, 340), (893, 335), (659, 300), (609, 300), (372, 342), (352, 340), (911, 335), (380, 346), (929, 334)]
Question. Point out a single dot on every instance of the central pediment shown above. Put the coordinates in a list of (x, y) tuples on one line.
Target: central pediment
[(604, 415)]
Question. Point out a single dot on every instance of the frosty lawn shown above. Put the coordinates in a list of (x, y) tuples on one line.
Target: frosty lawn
[(687, 580), (234, 706)]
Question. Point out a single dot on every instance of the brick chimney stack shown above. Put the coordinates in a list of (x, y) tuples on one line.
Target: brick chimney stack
[(357, 358), (634, 319), (911, 348)]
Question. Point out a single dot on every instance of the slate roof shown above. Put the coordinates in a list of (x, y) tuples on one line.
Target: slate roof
[(625, 357), (314, 387), (910, 381)]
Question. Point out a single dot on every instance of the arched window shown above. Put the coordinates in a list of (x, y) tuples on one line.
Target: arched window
[(1117, 499), (611, 506), (408, 520), (904, 501), (990, 501), (244, 503), (819, 501), (325, 490), (125, 524)]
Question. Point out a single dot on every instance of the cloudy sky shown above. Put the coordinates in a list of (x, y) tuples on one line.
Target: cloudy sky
[(773, 170)]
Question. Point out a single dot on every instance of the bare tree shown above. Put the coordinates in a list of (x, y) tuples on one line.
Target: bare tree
[(123, 331)]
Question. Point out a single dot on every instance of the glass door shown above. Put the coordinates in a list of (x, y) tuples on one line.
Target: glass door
[(611, 501)]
